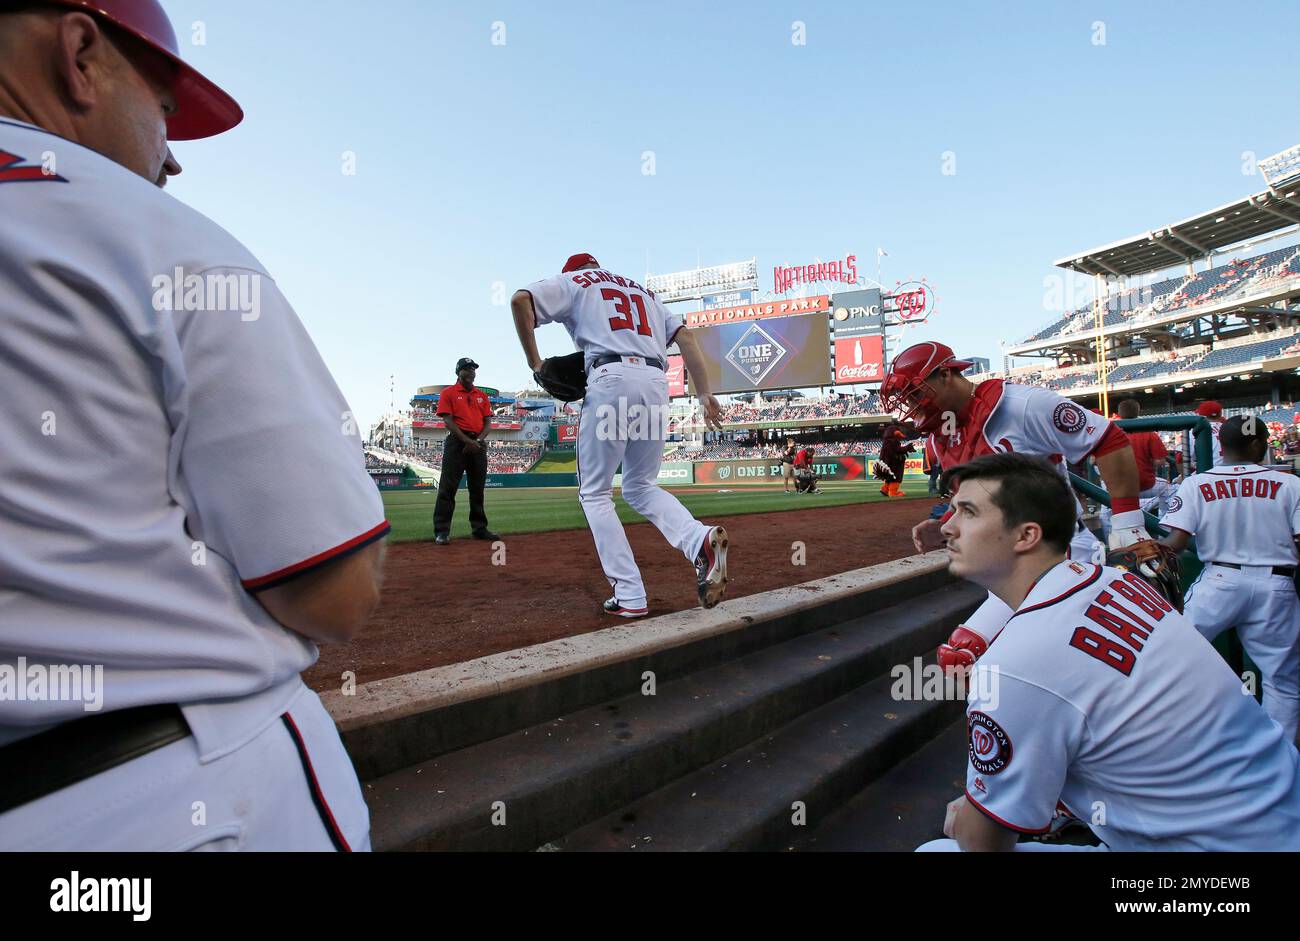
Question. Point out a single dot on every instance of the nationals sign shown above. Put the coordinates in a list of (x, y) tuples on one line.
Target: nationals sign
[(796, 305), (785, 277)]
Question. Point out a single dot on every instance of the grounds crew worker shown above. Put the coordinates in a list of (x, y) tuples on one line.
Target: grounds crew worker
[(177, 590), (467, 414)]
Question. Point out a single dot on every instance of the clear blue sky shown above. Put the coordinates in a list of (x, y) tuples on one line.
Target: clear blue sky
[(479, 163)]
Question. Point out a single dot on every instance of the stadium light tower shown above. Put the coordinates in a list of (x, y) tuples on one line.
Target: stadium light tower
[(1281, 170)]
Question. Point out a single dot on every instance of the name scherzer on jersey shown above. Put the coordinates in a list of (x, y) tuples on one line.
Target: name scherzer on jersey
[(1242, 513), (1004, 417), (1099, 695), (582, 300)]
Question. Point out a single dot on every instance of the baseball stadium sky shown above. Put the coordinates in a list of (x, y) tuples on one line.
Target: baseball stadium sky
[(481, 165)]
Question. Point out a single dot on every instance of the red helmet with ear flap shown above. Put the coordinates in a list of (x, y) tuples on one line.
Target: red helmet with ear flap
[(202, 109), (905, 390)]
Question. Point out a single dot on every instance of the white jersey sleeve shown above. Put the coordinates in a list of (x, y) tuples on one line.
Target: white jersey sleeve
[(553, 299), (1052, 424), (672, 322), (1185, 508), (1021, 740), (269, 451)]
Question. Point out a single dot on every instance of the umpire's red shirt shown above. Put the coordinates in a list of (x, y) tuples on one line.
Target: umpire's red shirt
[(470, 408)]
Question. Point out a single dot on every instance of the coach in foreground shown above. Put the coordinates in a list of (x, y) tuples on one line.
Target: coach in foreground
[(1098, 695)]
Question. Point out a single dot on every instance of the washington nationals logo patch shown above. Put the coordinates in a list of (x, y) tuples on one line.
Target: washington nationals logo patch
[(1175, 504), (989, 745), (1069, 418)]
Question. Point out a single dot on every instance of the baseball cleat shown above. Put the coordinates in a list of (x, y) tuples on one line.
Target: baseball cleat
[(711, 567), (613, 607), (442, 539)]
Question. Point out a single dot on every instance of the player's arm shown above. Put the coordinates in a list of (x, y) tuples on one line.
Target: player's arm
[(693, 358), (330, 604), (1177, 539), (521, 306), (975, 832)]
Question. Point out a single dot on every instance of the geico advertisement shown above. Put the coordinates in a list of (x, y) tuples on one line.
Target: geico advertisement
[(760, 471), (677, 472)]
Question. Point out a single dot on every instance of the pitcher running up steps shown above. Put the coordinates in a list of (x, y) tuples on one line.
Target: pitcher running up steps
[(623, 332)]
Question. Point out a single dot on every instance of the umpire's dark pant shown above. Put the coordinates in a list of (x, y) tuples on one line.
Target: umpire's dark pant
[(456, 461)]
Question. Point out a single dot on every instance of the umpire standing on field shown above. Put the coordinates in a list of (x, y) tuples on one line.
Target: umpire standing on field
[(467, 414)]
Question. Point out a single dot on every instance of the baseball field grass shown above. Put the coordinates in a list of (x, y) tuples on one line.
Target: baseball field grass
[(552, 508)]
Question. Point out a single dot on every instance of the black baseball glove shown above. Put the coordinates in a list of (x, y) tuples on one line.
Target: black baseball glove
[(564, 377), (1156, 564)]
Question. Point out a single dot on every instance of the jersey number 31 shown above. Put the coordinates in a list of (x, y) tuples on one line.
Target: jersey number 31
[(623, 304)]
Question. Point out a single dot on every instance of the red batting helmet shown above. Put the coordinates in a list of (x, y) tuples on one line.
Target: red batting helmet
[(905, 389), (202, 109)]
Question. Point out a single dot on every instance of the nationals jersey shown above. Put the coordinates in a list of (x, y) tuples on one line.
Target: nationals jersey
[(1243, 513), (173, 444), (1006, 417), (1098, 695), (606, 314)]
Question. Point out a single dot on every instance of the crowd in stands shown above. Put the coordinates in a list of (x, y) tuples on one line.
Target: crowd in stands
[(1257, 275), (833, 406), (504, 457), (1162, 365)]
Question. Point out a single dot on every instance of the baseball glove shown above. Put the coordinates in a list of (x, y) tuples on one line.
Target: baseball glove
[(1154, 563), (564, 377)]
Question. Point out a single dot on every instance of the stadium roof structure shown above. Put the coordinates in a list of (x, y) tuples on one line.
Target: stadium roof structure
[(1196, 237)]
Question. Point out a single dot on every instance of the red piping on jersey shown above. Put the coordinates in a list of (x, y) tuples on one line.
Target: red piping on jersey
[(1114, 439), (1096, 574), (275, 579), (674, 336), (998, 820), (317, 795), (1213, 471)]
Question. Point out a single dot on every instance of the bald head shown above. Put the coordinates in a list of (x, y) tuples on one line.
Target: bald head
[(67, 72)]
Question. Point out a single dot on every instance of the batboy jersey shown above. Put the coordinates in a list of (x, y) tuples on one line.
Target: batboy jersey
[(1010, 418), (581, 300), (173, 444), (1243, 513), (1099, 695)]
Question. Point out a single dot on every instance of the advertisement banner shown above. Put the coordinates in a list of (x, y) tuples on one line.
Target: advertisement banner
[(730, 299), (816, 304), (777, 353), (677, 473), (768, 471), (676, 376), (859, 359), (566, 434), (857, 313)]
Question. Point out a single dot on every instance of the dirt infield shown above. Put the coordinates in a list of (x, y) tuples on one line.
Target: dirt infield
[(447, 604)]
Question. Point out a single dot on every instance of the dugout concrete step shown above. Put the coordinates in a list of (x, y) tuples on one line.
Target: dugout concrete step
[(767, 795), (531, 786), (901, 809)]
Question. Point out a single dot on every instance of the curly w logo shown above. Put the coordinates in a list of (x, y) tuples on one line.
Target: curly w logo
[(14, 170)]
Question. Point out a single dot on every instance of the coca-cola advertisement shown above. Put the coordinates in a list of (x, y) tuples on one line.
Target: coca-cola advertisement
[(859, 359), (676, 376)]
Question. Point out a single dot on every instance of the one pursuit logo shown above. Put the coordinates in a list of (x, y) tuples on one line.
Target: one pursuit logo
[(76, 894), (990, 746), (757, 354)]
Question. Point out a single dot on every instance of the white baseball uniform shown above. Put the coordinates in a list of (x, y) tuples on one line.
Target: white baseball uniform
[(624, 414), (1004, 417), (1100, 697), (167, 454), (1246, 515)]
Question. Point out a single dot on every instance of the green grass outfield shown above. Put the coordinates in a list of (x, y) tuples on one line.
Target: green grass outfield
[(520, 510)]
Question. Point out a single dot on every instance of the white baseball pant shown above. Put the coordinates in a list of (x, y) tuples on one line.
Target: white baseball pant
[(262, 796), (624, 418), (1264, 609)]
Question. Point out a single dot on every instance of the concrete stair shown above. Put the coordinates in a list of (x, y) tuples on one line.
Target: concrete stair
[(791, 710)]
